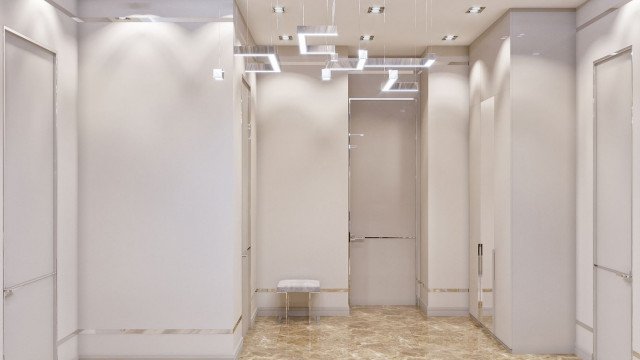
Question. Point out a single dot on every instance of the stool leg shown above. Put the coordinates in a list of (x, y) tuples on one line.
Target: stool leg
[(309, 305)]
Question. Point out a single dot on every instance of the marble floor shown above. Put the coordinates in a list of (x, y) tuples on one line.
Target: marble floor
[(377, 333)]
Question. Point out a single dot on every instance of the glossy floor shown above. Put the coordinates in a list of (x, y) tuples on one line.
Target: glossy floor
[(377, 333)]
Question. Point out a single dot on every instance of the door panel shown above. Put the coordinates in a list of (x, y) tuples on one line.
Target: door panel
[(28, 161), (613, 207), (29, 201), (246, 209), (383, 202)]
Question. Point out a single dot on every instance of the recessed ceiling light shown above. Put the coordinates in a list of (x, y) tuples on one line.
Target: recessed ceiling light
[(366, 37), (450, 37), (278, 9), (285, 37), (375, 9), (476, 9)]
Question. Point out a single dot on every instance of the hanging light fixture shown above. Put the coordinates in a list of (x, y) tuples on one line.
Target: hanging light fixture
[(259, 51), (317, 31)]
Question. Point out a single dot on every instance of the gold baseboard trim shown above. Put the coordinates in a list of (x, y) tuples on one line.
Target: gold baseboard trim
[(448, 290), (456, 290), (584, 326), (321, 290), (160, 331)]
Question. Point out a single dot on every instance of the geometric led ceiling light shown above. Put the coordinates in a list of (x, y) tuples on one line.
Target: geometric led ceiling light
[(348, 64), (316, 31), (392, 84), (402, 62), (259, 51)]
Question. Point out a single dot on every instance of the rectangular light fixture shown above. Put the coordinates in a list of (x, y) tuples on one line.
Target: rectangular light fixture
[(476, 9), (285, 37), (431, 59), (366, 37), (399, 63), (218, 74), (278, 9), (259, 51), (363, 55), (375, 9), (316, 31), (393, 78), (449, 37), (326, 74)]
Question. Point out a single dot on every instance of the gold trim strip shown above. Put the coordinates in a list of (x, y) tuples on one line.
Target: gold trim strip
[(68, 337), (160, 331), (337, 290), (584, 326)]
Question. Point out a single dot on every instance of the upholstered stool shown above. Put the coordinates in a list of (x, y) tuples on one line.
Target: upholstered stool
[(297, 286)]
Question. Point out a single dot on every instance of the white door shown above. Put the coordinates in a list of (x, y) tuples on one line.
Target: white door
[(246, 209), (382, 202), (29, 201), (613, 207)]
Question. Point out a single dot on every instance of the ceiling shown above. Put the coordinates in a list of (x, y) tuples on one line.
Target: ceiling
[(405, 28)]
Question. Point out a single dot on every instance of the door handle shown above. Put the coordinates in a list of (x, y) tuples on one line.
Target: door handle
[(620, 274), (480, 254), (356, 238)]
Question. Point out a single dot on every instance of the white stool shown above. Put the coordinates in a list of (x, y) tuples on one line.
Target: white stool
[(297, 286)]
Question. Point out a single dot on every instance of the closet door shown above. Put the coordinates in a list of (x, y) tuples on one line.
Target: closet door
[(382, 202), (29, 201), (613, 207)]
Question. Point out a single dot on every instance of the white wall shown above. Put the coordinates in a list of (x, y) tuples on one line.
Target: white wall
[(446, 182), (526, 60), (302, 213), (159, 189), (614, 31), (43, 23), (490, 76)]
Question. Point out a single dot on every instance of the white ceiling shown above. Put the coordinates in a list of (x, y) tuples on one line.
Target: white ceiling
[(405, 29)]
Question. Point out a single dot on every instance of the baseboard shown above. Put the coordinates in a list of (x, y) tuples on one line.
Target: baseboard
[(160, 358), (238, 351), (279, 311), (446, 311), (583, 354)]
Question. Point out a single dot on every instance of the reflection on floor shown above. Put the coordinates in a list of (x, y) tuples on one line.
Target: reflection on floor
[(377, 333)]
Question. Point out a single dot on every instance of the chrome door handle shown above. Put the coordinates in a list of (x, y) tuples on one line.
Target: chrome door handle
[(356, 238), (625, 276)]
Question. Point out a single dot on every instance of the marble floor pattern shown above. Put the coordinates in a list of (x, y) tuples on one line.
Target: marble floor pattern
[(377, 333)]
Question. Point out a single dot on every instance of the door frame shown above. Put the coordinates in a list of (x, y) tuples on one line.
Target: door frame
[(418, 282), (248, 189), (7, 31), (624, 51)]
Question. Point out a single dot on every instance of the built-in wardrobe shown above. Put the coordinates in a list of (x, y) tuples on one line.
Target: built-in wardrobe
[(522, 181)]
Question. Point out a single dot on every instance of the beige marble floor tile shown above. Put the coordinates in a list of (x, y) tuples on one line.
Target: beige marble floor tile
[(395, 332)]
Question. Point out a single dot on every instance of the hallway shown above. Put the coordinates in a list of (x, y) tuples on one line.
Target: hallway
[(396, 332)]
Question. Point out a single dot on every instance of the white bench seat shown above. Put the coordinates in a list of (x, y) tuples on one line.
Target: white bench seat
[(297, 286)]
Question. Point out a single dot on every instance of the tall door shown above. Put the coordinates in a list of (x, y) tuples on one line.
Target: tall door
[(29, 201), (613, 207), (382, 203), (246, 208)]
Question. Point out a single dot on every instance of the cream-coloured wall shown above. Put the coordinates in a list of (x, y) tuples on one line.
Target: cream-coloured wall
[(45, 24), (490, 76), (446, 184), (159, 189), (302, 209), (534, 202), (612, 32)]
